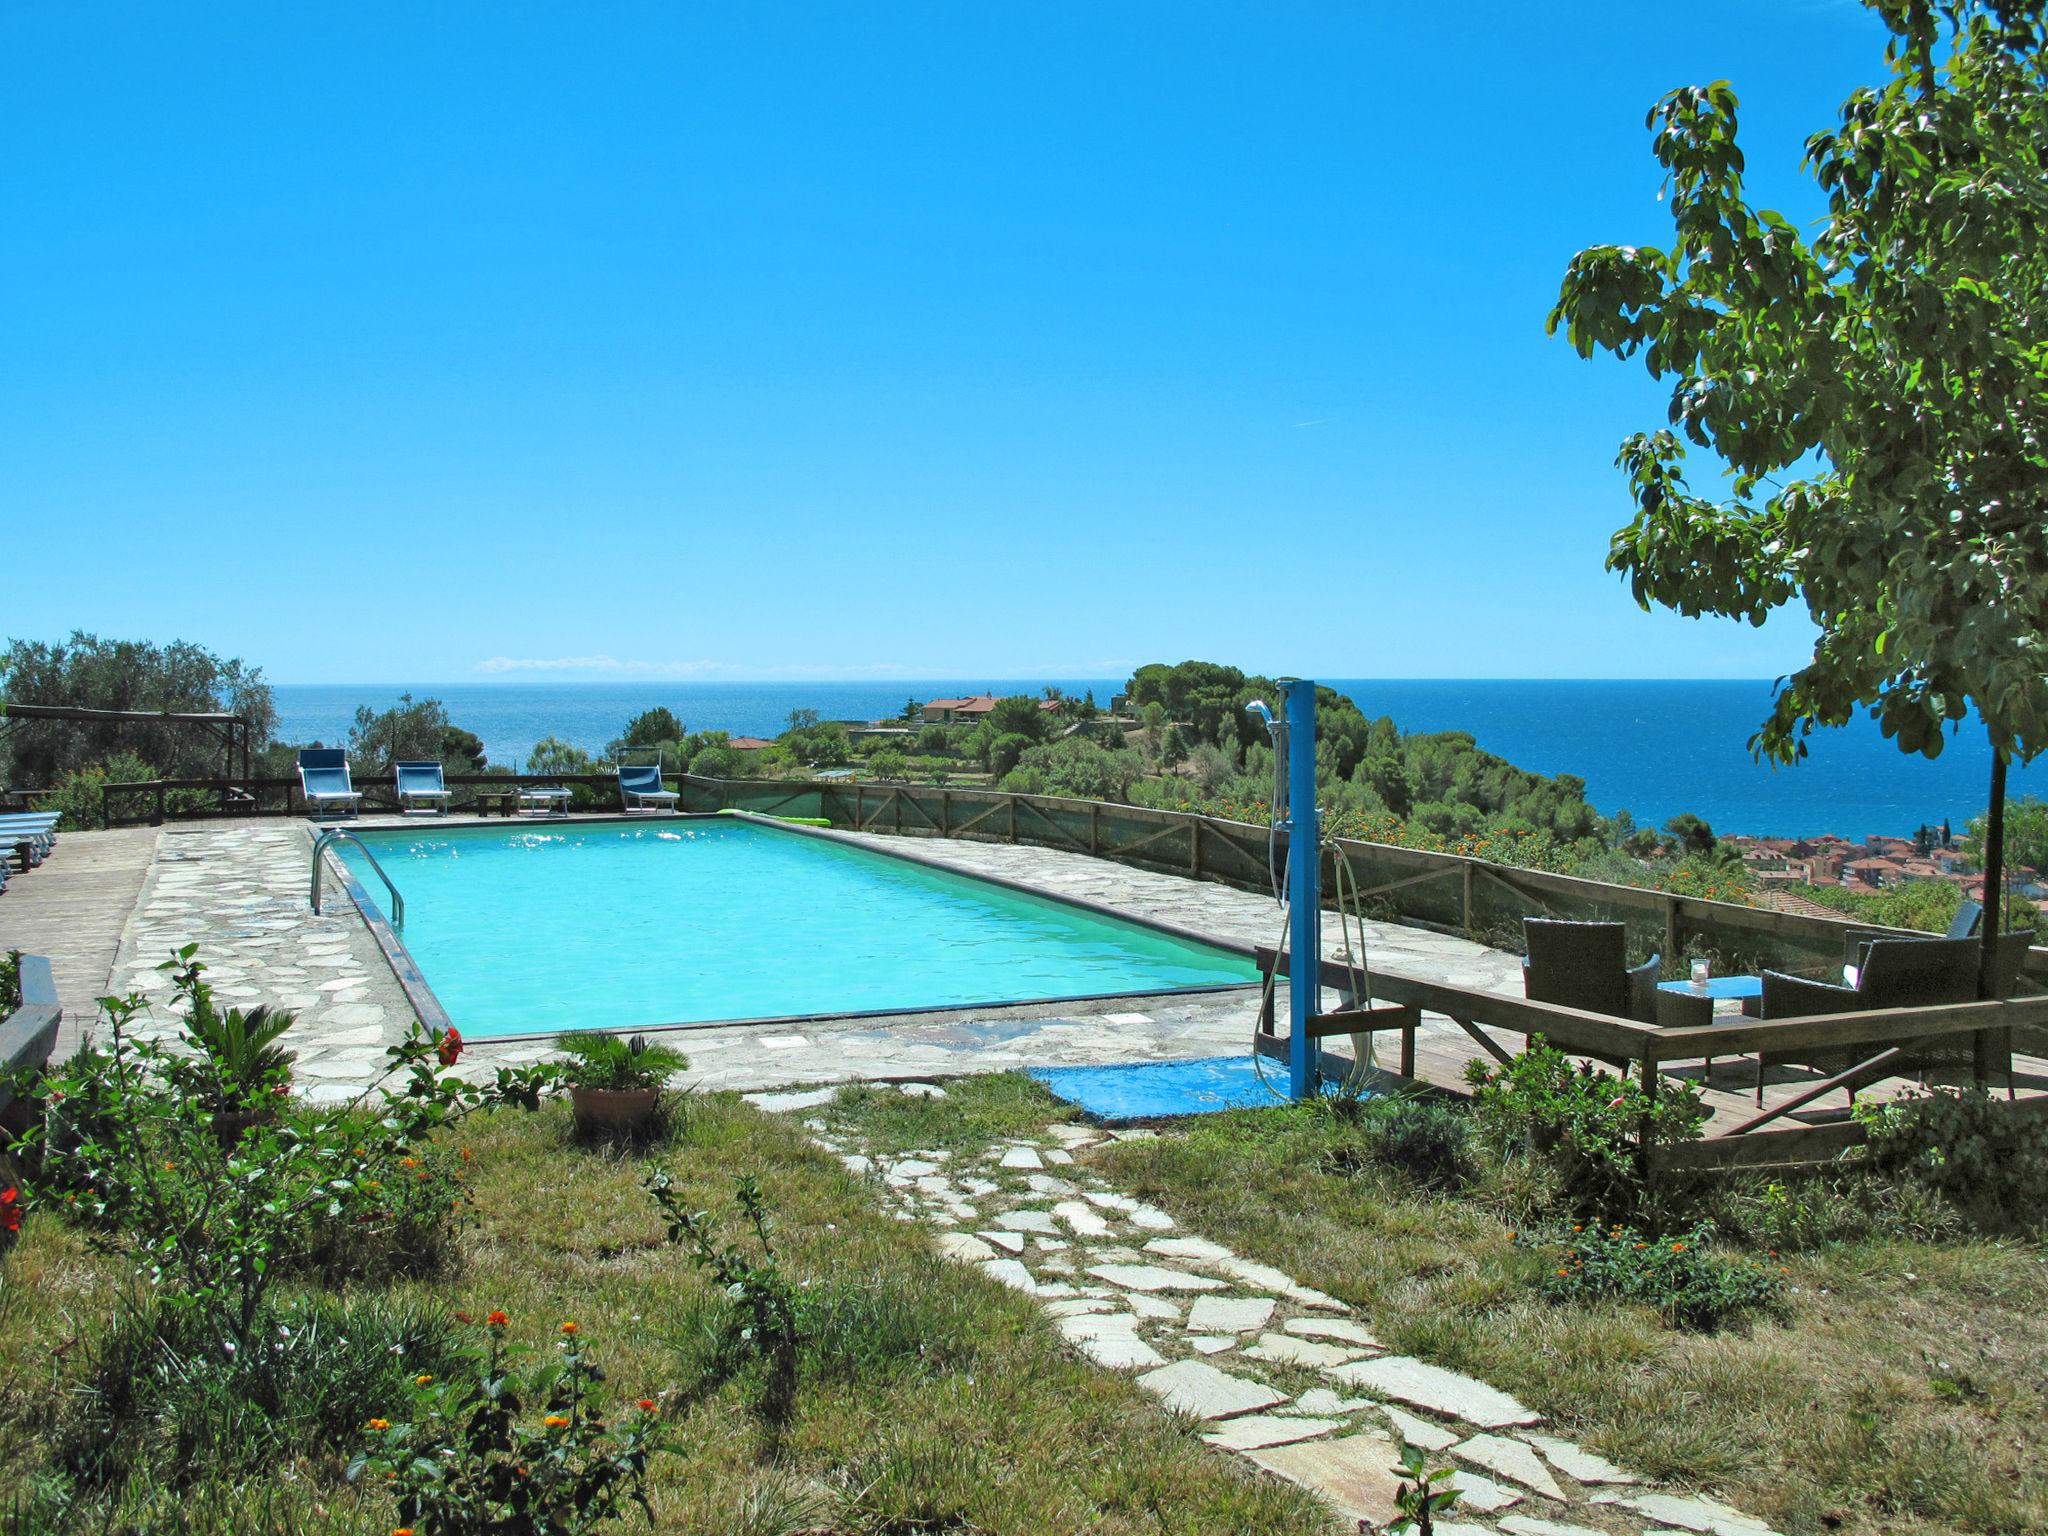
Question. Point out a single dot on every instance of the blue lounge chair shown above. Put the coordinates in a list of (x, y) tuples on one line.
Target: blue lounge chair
[(640, 788), (324, 780), (421, 787), (28, 836)]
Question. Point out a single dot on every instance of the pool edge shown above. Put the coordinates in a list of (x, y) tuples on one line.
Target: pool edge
[(427, 1007)]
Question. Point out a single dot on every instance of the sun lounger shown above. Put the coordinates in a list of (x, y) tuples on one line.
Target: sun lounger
[(641, 789), (324, 780), (421, 787), (28, 836)]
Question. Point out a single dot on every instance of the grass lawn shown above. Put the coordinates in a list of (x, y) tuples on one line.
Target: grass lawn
[(1899, 1388), (931, 1398)]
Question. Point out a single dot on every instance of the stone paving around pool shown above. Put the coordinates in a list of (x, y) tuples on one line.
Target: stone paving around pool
[(1271, 1369), (239, 891)]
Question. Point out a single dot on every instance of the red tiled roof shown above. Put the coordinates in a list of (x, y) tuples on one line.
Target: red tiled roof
[(748, 743)]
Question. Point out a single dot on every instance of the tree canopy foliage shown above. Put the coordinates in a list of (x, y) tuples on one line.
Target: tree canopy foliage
[(86, 672), (1892, 369), (413, 730)]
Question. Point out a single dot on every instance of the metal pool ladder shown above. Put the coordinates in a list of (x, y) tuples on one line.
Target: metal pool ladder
[(335, 834)]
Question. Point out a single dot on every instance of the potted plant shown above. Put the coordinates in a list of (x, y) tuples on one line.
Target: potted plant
[(245, 1072), (615, 1081)]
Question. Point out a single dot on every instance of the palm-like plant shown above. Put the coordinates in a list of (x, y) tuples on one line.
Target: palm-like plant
[(617, 1062)]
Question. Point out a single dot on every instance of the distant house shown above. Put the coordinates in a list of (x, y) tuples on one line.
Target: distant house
[(748, 743), (955, 711), (968, 711)]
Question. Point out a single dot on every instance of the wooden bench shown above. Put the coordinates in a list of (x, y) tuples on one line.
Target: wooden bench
[(27, 1036), (503, 800)]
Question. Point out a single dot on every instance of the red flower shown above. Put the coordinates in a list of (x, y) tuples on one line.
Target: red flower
[(10, 1209), (450, 1047), (645, 1405), (499, 1320)]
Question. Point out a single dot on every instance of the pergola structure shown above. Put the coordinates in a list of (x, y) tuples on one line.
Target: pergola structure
[(233, 729)]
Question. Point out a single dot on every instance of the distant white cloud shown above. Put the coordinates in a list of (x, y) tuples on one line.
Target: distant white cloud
[(613, 666)]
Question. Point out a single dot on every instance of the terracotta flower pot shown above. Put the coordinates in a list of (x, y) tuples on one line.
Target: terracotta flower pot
[(613, 1109)]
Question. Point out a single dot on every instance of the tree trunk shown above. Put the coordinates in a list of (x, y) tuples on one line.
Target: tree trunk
[(1994, 877)]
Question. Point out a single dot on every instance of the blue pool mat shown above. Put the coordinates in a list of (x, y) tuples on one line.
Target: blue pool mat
[(1160, 1090)]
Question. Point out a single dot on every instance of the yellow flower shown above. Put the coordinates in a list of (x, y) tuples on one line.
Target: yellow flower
[(421, 1381)]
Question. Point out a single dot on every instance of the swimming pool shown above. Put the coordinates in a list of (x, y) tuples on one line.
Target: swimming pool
[(537, 928)]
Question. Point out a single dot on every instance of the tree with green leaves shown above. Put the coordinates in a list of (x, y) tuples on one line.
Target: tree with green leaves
[(1877, 392), (86, 672)]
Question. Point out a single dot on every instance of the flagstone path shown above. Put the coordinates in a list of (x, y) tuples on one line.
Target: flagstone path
[(1275, 1371)]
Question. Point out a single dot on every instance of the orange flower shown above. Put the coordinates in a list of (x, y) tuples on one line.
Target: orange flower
[(1678, 1247), (555, 1421), (499, 1320), (401, 1530), (380, 1423), (421, 1381), (568, 1327), (1565, 1272)]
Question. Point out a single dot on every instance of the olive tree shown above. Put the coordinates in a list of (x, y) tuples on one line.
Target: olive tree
[(1876, 391)]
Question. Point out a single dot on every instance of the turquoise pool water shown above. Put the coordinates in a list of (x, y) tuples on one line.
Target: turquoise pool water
[(535, 928)]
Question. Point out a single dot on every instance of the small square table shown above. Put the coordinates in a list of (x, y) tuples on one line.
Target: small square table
[(543, 800)]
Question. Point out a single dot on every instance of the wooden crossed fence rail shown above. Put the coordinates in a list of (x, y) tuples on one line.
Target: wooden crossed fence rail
[(1892, 1035)]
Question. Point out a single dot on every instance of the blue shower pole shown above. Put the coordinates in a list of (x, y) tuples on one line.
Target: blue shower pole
[(1304, 889)]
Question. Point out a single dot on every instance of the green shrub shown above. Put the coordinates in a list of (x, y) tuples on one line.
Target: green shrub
[(1425, 1138), (135, 1148), (77, 797), (1585, 1120), (10, 981), (1968, 1147), (1681, 1276), (462, 1460)]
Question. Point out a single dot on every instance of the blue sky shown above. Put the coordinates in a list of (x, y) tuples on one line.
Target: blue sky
[(443, 343)]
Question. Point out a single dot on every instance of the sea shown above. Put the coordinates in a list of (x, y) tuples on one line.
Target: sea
[(1652, 748)]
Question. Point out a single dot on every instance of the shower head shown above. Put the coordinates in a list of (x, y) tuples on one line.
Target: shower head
[(1258, 707)]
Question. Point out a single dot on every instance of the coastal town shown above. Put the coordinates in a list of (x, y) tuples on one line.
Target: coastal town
[(1780, 865)]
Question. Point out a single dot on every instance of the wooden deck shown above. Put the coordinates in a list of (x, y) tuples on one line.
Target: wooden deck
[(73, 908)]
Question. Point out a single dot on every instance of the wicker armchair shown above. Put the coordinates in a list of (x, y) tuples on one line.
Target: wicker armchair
[(1894, 973), (1585, 966)]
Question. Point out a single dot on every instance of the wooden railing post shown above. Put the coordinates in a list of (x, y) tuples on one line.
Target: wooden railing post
[(1468, 896), (1094, 826), (1671, 931), (1195, 846), (945, 813), (1013, 818)]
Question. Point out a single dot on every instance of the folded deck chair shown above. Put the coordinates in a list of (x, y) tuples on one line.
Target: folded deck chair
[(324, 780), (640, 788), (421, 787)]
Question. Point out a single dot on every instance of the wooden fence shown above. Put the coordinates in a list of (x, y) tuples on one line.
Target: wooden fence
[(1444, 890), (1439, 889), (1882, 1042)]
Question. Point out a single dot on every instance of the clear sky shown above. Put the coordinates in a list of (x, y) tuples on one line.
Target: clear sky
[(444, 342)]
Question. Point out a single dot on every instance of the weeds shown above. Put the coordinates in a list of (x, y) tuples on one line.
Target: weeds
[(772, 1311)]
